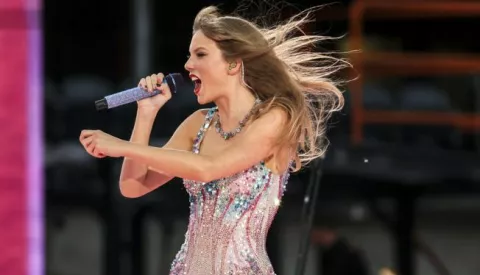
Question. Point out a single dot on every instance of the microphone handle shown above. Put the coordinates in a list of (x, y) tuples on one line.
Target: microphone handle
[(125, 97), (174, 81)]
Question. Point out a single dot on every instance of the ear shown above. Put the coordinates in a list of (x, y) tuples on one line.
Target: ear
[(234, 66)]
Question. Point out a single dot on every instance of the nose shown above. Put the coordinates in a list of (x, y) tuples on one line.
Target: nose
[(188, 65)]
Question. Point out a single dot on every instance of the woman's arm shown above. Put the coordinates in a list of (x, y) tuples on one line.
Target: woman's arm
[(138, 178), (247, 149), (133, 173)]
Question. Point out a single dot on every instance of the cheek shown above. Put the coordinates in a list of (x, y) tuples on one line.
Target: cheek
[(216, 68), (216, 74), (212, 72)]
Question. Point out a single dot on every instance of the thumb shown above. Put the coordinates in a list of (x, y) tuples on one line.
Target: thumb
[(164, 87)]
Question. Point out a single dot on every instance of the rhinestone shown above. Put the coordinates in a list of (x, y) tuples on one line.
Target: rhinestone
[(226, 217)]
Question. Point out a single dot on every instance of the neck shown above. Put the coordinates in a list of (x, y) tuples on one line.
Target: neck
[(234, 107)]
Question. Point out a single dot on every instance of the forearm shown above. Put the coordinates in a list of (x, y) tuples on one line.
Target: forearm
[(178, 163), (132, 169)]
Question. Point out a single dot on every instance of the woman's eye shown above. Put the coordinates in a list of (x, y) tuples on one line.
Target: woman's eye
[(201, 54)]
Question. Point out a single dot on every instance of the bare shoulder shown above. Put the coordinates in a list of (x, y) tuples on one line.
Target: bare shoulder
[(196, 119), (183, 137), (270, 127), (276, 115), (272, 121)]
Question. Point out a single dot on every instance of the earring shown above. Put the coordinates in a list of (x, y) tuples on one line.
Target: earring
[(243, 77), (232, 65)]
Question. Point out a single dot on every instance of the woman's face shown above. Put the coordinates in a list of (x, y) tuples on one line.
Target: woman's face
[(208, 69)]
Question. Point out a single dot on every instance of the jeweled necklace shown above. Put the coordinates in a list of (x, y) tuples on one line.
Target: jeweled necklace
[(241, 124)]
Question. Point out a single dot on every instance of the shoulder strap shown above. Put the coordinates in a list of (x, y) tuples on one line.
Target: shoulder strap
[(201, 133)]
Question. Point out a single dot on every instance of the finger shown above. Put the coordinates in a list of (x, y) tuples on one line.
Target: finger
[(91, 146), (86, 141), (153, 78), (164, 87), (149, 84), (160, 78), (143, 83), (97, 153), (85, 133), (89, 150)]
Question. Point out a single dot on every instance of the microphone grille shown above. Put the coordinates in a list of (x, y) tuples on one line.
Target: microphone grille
[(176, 82)]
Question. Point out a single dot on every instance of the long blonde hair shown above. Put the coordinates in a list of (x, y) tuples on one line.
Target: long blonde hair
[(284, 71)]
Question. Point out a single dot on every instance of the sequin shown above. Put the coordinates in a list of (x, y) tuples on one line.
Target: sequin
[(229, 220)]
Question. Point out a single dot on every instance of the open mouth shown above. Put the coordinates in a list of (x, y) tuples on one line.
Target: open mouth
[(198, 83)]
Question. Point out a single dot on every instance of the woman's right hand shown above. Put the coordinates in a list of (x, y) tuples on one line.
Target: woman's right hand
[(150, 84)]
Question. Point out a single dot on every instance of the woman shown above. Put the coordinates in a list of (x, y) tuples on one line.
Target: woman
[(272, 98)]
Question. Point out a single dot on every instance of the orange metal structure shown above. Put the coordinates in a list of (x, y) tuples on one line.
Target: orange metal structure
[(406, 64)]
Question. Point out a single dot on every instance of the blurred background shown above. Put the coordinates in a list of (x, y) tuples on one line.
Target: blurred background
[(399, 189)]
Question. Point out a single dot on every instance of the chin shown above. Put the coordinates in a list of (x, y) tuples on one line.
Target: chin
[(202, 100), (204, 97)]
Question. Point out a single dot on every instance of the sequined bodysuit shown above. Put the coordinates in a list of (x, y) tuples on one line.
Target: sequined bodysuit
[(229, 220)]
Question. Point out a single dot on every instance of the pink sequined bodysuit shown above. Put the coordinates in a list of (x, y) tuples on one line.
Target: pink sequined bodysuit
[(229, 221)]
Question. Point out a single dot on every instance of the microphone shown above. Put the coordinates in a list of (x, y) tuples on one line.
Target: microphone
[(175, 82)]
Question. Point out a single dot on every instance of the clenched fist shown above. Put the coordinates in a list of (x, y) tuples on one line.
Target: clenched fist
[(100, 144)]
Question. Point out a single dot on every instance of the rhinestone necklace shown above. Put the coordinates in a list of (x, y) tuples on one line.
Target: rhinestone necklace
[(241, 124)]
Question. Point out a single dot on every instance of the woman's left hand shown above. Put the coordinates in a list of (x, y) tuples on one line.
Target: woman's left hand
[(100, 144)]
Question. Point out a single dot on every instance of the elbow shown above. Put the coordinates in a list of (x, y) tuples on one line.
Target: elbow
[(129, 195), (128, 192), (204, 176), (205, 172)]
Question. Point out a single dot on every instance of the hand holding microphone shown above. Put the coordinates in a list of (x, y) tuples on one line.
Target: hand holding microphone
[(152, 92), (150, 84)]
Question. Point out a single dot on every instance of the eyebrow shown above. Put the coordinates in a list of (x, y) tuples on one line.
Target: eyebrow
[(199, 48)]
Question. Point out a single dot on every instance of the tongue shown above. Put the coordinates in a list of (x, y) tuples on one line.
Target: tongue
[(197, 86)]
